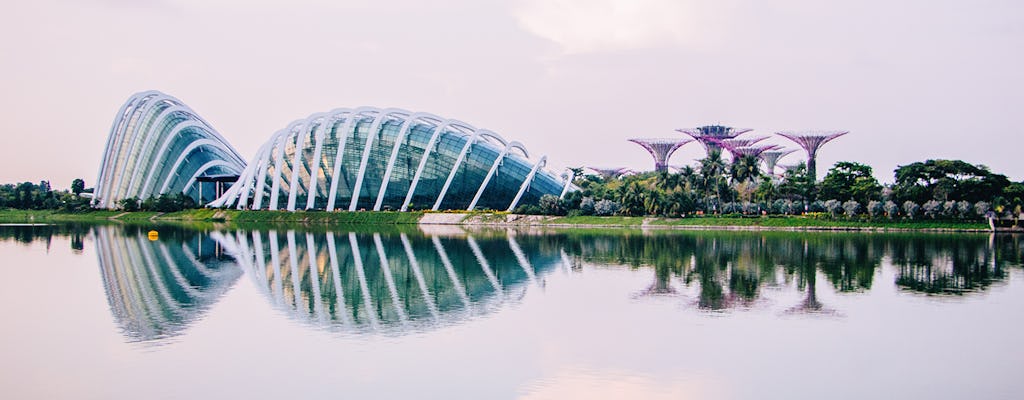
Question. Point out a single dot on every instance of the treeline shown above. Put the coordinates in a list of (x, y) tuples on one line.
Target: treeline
[(40, 196), (935, 189)]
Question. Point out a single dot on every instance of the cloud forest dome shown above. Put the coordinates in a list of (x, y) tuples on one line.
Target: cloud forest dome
[(158, 145), (379, 159)]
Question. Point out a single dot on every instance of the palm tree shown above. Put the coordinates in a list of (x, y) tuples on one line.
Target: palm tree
[(745, 169)]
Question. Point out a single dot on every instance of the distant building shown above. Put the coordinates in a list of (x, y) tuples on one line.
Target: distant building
[(346, 159)]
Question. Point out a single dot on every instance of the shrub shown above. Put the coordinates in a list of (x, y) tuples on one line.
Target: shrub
[(932, 208), (964, 209), (891, 209), (981, 208), (852, 208), (875, 209), (910, 209), (587, 206), (550, 204), (606, 207), (834, 207), (817, 206)]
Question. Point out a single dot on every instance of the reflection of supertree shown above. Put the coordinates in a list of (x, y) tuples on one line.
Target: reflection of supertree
[(771, 158), (661, 149), (158, 287), (391, 282), (811, 141), (710, 135)]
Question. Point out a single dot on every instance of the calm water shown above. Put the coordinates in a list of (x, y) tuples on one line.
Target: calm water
[(106, 312)]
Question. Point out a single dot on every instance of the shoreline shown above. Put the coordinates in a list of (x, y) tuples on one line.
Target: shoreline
[(493, 220)]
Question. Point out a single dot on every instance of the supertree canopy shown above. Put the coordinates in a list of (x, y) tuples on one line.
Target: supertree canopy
[(811, 141), (661, 149), (610, 172), (771, 158), (710, 135), (751, 151)]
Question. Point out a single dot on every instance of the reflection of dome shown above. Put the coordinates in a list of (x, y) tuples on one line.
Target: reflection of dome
[(369, 158), (158, 145), (391, 282), (156, 288)]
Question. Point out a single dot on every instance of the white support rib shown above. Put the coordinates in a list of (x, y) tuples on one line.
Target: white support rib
[(275, 186), (526, 183), (100, 198), (339, 294), (314, 175), (385, 267), (411, 256), (459, 289), (293, 260), (147, 188), (484, 264), (524, 263), (490, 173), (339, 155), (423, 162), (367, 149), (568, 183), (261, 177), (361, 274), (300, 142), (455, 167), (409, 121), (314, 280)]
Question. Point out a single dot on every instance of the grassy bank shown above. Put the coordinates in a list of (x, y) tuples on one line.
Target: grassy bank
[(787, 222), (399, 218)]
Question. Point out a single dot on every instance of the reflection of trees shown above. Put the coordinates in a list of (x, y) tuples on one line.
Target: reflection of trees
[(731, 269), (31, 233), (951, 265)]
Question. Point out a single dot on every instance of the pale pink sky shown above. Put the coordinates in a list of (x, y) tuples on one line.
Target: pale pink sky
[(571, 79)]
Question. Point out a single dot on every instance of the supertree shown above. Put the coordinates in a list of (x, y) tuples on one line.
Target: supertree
[(661, 149), (731, 145), (709, 135), (811, 141), (610, 172), (771, 159)]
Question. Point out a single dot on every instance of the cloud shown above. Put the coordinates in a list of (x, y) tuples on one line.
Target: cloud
[(586, 26)]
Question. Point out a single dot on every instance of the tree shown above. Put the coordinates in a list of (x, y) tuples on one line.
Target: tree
[(852, 208), (851, 181), (77, 186), (745, 169), (797, 184), (947, 180)]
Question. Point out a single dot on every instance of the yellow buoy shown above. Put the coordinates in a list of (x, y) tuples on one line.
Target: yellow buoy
[(153, 236)]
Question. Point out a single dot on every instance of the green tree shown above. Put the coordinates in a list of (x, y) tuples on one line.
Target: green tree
[(851, 181), (77, 186), (947, 180)]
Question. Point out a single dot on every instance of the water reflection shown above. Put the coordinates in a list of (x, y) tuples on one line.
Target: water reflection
[(392, 282), (732, 269), (156, 288), (396, 282)]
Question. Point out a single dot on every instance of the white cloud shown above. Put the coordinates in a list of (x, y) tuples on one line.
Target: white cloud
[(584, 26)]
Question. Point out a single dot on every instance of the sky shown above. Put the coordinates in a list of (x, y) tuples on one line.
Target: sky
[(571, 79)]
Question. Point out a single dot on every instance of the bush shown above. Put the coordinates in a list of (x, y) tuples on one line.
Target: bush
[(852, 208), (981, 207), (964, 209), (891, 209), (875, 209), (779, 207), (932, 208), (817, 206), (587, 206), (606, 207), (910, 209), (833, 207), (130, 204), (550, 204)]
